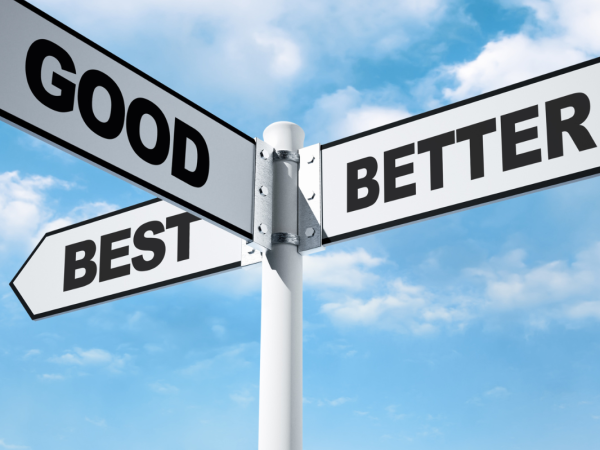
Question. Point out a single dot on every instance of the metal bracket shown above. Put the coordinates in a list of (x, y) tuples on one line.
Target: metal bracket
[(262, 226), (310, 201), (287, 155), (285, 238), (250, 255)]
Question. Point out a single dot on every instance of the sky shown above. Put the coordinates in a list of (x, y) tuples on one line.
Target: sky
[(479, 329)]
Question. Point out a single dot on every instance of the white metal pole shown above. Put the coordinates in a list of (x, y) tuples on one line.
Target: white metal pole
[(280, 398)]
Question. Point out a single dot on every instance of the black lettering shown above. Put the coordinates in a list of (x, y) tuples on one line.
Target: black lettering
[(434, 146), (391, 173), (510, 138), (182, 222), (154, 245), (107, 254), (137, 109), (555, 126), (197, 177), (86, 263), (37, 53), (91, 80), (354, 184), (474, 134)]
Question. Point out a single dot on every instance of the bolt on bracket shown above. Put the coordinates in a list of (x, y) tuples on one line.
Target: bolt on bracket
[(310, 201), (250, 255), (262, 225)]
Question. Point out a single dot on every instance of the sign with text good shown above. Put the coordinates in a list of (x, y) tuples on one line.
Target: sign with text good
[(68, 91), (529, 136), (133, 250)]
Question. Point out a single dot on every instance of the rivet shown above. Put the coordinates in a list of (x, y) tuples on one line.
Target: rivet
[(264, 191), (264, 154), (263, 228), (311, 160), (310, 197)]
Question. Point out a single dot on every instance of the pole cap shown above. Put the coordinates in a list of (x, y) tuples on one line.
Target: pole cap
[(284, 136)]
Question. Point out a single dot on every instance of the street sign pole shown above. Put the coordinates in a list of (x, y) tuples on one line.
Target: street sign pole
[(280, 405)]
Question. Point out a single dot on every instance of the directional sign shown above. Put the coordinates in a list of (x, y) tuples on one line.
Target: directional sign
[(529, 136), (71, 93), (133, 250)]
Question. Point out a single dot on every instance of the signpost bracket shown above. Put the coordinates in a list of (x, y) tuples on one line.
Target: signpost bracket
[(262, 226), (310, 201), (250, 255)]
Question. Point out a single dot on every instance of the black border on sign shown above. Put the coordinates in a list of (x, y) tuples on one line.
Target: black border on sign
[(97, 161), (470, 203), (108, 298)]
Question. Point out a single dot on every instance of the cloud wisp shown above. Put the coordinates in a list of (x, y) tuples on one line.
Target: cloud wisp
[(3, 444), (258, 51), (558, 34), (93, 357), (25, 213), (349, 111), (505, 287)]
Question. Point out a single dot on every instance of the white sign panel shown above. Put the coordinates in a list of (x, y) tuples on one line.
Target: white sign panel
[(526, 137), (133, 250), (68, 91)]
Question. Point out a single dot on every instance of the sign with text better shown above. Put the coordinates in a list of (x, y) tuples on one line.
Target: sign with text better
[(68, 91), (529, 136), (133, 250)]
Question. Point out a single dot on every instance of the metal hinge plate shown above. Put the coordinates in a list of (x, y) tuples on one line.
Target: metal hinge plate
[(262, 226), (310, 201)]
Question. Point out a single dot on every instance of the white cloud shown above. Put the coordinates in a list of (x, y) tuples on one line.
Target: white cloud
[(242, 398), (153, 348), (560, 34), (393, 412), (51, 377), (505, 287), (345, 270), (163, 388), (252, 53), (554, 291), (92, 357), (374, 28), (97, 422), (3, 444), (406, 308), (324, 402), (349, 111), (219, 330), (25, 213), (285, 60), (32, 352), (510, 60), (22, 206), (338, 401), (78, 214), (497, 392), (239, 283), (232, 356)]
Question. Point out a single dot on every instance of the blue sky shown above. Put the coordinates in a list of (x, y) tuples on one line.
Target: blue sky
[(475, 330)]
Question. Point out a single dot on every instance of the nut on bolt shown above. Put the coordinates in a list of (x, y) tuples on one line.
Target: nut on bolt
[(310, 232)]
